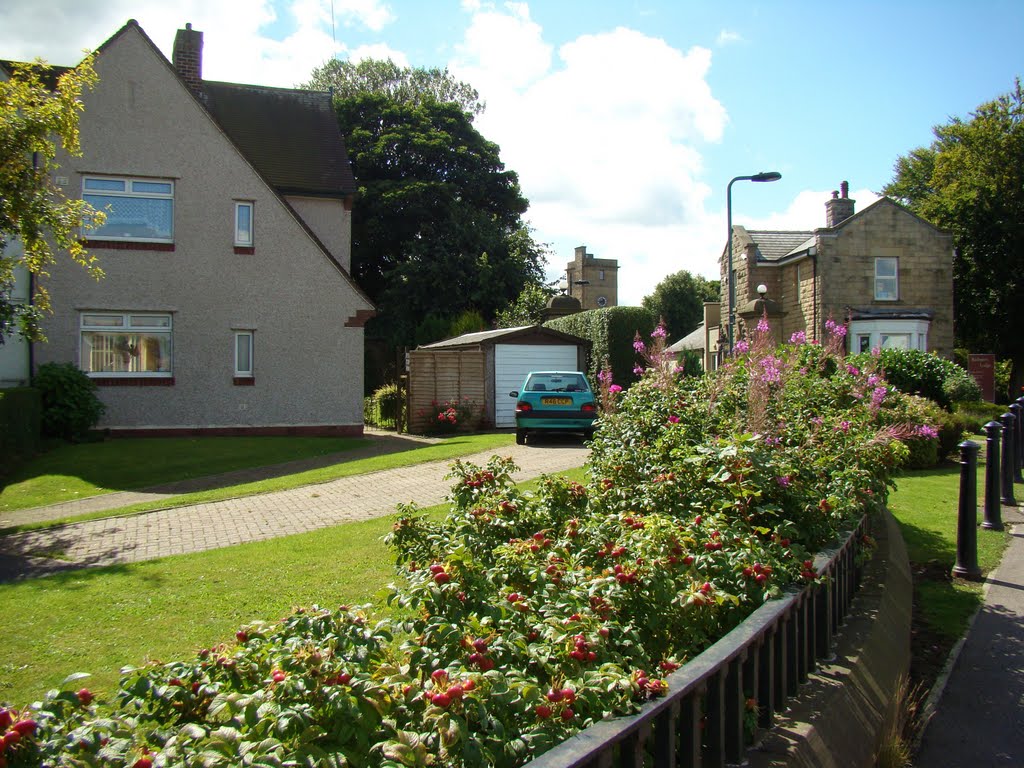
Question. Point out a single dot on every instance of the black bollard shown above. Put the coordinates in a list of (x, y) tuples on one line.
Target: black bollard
[(1007, 462), (993, 509), (967, 516), (1016, 410)]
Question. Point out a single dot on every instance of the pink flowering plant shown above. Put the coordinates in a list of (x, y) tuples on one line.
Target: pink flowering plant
[(520, 617), (449, 415)]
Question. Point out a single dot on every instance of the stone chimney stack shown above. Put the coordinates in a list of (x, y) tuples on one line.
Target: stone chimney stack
[(188, 56), (840, 207)]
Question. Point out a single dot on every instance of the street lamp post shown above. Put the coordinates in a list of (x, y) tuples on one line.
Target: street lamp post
[(763, 176)]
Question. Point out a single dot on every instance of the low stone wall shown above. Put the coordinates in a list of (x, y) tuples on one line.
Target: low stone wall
[(838, 717)]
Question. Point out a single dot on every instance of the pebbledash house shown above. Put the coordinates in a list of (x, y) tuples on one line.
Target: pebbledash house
[(884, 272), (227, 306)]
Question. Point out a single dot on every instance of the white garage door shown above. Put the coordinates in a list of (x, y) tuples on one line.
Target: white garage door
[(511, 364)]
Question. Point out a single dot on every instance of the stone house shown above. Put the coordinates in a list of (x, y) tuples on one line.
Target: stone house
[(227, 306), (884, 272)]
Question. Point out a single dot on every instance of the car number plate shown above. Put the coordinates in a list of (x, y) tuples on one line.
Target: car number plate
[(556, 400)]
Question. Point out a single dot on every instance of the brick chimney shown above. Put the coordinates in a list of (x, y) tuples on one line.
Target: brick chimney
[(188, 56), (840, 207)]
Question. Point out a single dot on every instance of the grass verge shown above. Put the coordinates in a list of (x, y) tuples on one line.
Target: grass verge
[(13, 497), (101, 619), (925, 504)]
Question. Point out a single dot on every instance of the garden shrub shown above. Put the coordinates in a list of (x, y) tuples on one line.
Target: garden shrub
[(388, 400), (926, 374), (70, 405), (526, 617)]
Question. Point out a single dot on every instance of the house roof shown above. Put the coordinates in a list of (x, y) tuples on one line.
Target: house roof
[(291, 136), (49, 75), (504, 334), (694, 340), (774, 246)]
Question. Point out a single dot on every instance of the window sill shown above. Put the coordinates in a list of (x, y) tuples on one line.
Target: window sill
[(247, 250), (128, 245), (244, 381), (133, 381)]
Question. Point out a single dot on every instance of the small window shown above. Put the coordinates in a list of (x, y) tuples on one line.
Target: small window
[(137, 209), (887, 282), (863, 342), (895, 341), (243, 354), (600, 274), (243, 224)]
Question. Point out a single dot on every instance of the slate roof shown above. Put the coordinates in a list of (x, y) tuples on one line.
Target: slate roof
[(773, 246), (290, 136), (693, 340)]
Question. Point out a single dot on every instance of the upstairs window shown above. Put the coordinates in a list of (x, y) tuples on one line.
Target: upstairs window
[(243, 224), (139, 210), (887, 280), (129, 344)]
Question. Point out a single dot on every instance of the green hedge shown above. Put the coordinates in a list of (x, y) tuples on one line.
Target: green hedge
[(20, 422), (610, 332)]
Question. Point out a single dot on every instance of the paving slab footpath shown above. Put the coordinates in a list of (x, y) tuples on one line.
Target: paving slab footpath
[(195, 528)]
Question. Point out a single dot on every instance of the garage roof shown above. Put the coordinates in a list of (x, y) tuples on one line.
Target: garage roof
[(506, 335)]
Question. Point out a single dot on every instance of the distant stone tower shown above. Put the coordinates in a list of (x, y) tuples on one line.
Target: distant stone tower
[(595, 282)]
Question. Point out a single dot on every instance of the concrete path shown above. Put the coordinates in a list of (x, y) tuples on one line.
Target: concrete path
[(119, 540), (979, 719)]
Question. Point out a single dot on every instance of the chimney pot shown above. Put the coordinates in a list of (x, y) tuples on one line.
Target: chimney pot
[(845, 187)]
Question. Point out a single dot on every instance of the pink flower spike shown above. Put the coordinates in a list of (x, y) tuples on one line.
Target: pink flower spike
[(614, 388)]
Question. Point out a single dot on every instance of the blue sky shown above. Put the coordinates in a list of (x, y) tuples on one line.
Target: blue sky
[(625, 120)]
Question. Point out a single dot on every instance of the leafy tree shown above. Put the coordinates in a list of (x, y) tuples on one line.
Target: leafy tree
[(436, 224), (36, 113), (408, 85), (679, 301), (527, 309), (970, 181)]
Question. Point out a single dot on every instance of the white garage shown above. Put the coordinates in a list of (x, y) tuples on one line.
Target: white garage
[(484, 367)]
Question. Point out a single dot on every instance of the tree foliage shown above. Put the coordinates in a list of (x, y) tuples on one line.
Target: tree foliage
[(407, 85), (527, 309), (970, 181), (436, 225), (35, 218), (679, 301)]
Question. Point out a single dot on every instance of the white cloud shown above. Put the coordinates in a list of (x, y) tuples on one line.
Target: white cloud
[(607, 143), (727, 37), (379, 51), (369, 13), (805, 212)]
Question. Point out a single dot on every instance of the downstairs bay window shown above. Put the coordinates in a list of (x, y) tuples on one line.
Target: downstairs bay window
[(126, 345)]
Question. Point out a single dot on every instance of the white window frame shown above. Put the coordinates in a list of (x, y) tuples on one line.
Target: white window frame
[(125, 325), (245, 337), (882, 280), (245, 238), (133, 190), (878, 330)]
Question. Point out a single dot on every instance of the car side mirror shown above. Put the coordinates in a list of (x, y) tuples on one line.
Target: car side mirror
[(513, 394)]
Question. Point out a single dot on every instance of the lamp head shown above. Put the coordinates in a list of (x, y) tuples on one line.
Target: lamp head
[(766, 176), (762, 289)]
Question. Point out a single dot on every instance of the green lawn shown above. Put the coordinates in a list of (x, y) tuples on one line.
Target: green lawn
[(102, 619), (80, 471), (925, 504)]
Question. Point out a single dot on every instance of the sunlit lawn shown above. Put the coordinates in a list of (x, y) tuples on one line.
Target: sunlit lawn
[(102, 619), (80, 471)]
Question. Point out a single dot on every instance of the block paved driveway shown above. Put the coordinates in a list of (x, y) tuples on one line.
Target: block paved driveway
[(120, 540)]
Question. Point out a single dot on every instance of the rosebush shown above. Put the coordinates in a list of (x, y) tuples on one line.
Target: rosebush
[(521, 618)]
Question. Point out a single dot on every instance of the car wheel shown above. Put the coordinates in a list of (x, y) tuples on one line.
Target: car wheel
[(588, 435), (520, 437)]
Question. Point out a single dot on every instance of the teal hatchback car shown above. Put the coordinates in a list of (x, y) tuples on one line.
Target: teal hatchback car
[(554, 401)]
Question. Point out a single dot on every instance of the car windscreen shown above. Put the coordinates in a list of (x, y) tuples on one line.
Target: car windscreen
[(557, 382)]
